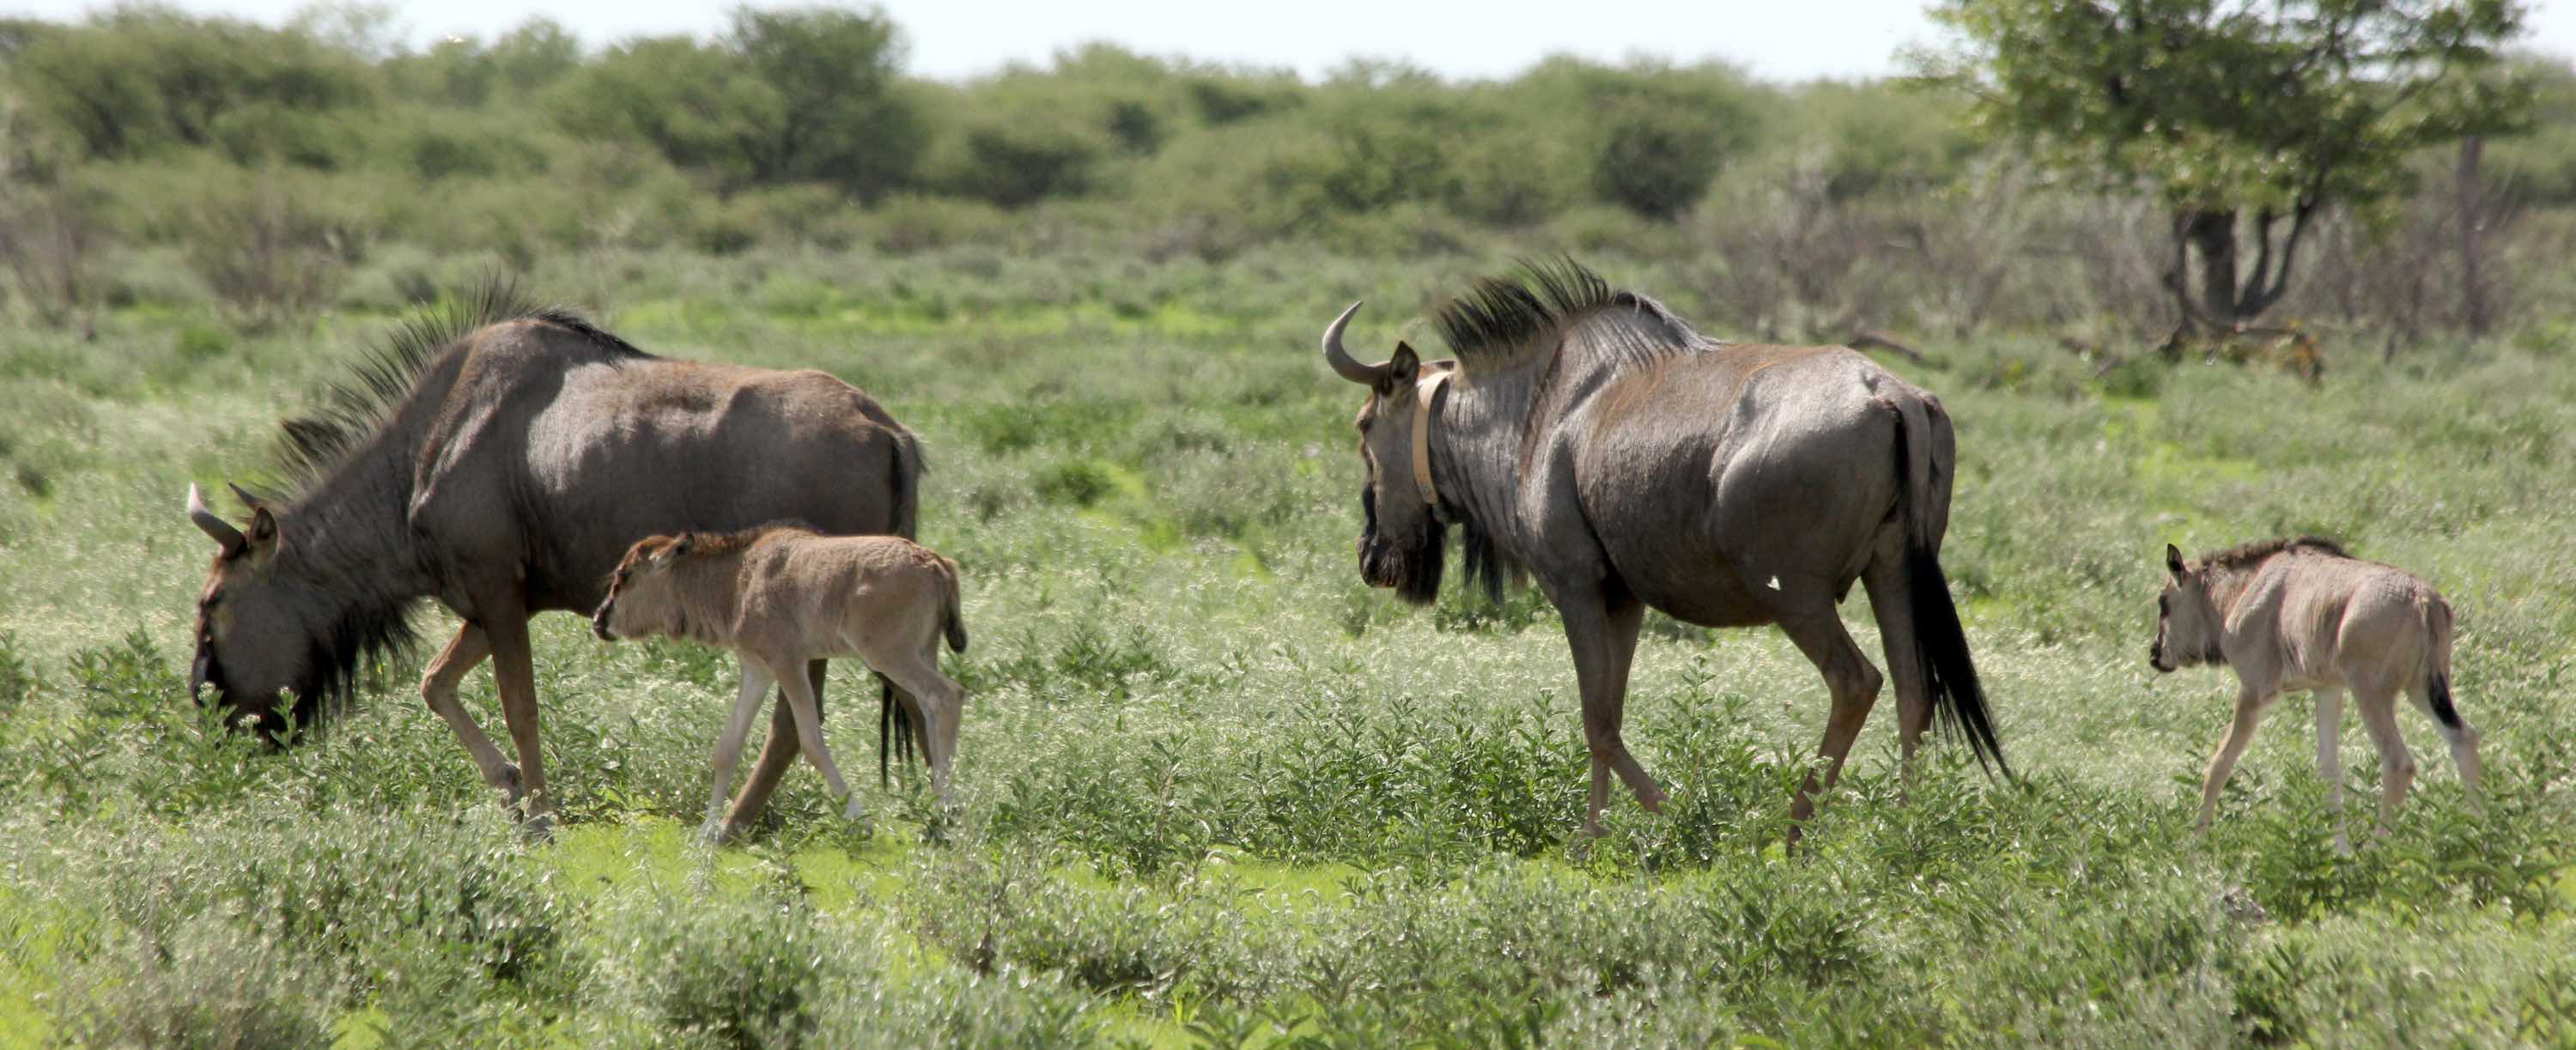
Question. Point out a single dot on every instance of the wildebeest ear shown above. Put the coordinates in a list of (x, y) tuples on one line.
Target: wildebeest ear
[(2173, 559), (263, 525), (1401, 369)]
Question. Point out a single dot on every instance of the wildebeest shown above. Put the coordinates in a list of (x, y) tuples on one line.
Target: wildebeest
[(500, 459), (1591, 440), (2302, 614), (782, 596)]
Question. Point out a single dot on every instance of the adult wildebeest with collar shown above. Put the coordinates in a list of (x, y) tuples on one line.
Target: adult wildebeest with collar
[(1591, 440), (501, 460)]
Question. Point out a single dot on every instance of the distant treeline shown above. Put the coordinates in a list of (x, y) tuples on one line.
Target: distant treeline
[(799, 126)]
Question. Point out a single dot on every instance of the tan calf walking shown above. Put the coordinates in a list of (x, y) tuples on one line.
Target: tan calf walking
[(781, 595), (2302, 614)]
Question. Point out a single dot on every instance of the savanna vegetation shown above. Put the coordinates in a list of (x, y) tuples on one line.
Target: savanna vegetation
[(1215, 791)]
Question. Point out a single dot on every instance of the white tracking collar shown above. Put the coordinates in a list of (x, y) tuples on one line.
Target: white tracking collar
[(1423, 392)]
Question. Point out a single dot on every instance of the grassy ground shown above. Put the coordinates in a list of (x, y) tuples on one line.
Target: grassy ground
[(1216, 791)]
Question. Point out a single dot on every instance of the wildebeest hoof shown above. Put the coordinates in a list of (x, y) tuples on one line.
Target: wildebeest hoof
[(714, 832), (539, 828), (1652, 799)]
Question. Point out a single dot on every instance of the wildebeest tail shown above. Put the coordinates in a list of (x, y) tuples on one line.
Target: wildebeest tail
[(894, 722), (907, 482), (1923, 453), (2437, 662)]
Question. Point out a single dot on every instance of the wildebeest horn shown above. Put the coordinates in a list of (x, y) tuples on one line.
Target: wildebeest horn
[(214, 524), (1340, 359)]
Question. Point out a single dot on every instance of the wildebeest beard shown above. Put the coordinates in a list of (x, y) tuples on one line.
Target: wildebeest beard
[(324, 688), (1410, 563)]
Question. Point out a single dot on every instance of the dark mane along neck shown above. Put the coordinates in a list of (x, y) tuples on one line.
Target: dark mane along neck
[(352, 410), (1558, 306), (347, 466), (2249, 555)]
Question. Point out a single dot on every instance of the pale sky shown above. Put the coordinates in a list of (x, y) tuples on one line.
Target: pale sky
[(952, 39)]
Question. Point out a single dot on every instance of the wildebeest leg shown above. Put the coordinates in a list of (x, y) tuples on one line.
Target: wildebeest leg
[(2330, 759), (775, 756), (1891, 603), (2378, 705), (1848, 676), (809, 734), (514, 676), (756, 682), (2462, 738), (2240, 732), (1604, 638), (438, 687)]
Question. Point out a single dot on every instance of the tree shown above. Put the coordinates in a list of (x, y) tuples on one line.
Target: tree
[(134, 80), (786, 96), (2249, 117)]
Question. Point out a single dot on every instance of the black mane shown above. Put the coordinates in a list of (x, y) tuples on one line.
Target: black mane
[(1503, 316), (2250, 554), (347, 414), (349, 410)]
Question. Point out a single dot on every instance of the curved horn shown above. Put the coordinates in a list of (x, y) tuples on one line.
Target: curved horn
[(1340, 359), (214, 524)]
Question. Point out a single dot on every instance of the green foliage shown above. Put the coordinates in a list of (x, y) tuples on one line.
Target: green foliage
[(2218, 108), (787, 96), (137, 80)]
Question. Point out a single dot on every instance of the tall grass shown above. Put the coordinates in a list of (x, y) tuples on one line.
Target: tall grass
[(1216, 791)]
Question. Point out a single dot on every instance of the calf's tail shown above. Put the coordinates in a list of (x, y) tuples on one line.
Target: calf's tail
[(2437, 663), (952, 619), (1924, 458)]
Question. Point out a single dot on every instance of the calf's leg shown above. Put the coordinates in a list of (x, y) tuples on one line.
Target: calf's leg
[(756, 682), (2330, 759), (2461, 737), (2378, 705), (809, 733), (2240, 732), (775, 756), (940, 702)]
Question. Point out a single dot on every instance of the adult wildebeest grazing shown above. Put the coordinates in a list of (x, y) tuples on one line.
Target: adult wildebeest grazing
[(2302, 614), (1590, 439), (782, 596), (500, 460)]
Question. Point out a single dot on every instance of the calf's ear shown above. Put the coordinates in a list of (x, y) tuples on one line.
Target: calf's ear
[(2173, 559)]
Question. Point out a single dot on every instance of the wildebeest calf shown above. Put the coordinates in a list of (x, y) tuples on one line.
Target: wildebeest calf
[(781, 595), (2302, 614)]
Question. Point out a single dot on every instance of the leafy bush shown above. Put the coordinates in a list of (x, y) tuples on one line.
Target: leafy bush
[(268, 248), (735, 974)]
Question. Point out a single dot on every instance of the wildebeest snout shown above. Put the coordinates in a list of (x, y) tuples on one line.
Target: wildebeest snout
[(599, 621)]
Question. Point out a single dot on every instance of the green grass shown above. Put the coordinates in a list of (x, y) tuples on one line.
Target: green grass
[(1217, 792)]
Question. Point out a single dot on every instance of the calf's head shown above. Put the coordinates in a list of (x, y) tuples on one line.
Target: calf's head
[(642, 599), (1401, 540), (2187, 624)]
